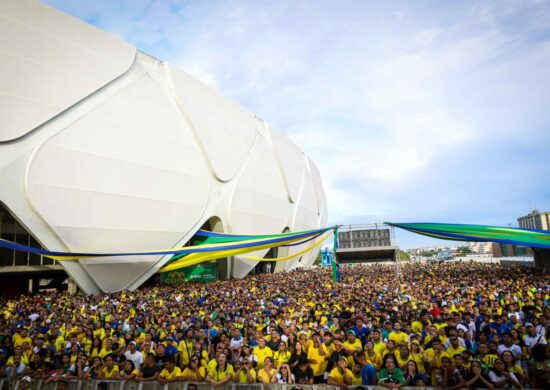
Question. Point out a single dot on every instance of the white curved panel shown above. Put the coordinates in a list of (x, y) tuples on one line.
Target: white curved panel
[(225, 129), (126, 175), (305, 217), (259, 204), (50, 61), (291, 160)]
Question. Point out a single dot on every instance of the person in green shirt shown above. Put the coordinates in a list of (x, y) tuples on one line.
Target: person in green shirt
[(391, 376)]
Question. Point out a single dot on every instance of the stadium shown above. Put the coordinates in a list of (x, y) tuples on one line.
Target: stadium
[(104, 148)]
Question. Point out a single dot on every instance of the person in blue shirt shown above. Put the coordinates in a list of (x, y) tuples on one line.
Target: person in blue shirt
[(368, 372), (361, 331), (171, 349)]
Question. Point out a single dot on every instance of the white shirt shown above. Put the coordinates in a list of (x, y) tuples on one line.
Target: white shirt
[(136, 358), (236, 343), (530, 341), (493, 377), (514, 348)]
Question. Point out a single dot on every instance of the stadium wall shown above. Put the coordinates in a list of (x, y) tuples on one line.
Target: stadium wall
[(104, 148)]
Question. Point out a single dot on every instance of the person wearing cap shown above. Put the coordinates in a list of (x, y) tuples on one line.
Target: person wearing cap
[(532, 338), (352, 344), (25, 382), (133, 355), (340, 375), (171, 349)]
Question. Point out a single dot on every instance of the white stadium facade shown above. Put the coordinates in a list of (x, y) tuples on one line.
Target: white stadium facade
[(104, 148)]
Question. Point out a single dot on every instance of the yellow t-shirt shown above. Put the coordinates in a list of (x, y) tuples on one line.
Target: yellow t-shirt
[(430, 355), (264, 376), (104, 352), (320, 365), (452, 351), (338, 376), (380, 348), (219, 375), (194, 376), (356, 380), (243, 377), (262, 354), (399, 337), (186, 350), (375, 359), (281, 357), (109, 374), (165, 374), (354, 346), (17, 341)]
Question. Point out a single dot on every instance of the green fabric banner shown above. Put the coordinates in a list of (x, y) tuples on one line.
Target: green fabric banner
[(200, 273)]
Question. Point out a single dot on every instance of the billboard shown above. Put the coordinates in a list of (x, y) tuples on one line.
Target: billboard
[(198, 273)]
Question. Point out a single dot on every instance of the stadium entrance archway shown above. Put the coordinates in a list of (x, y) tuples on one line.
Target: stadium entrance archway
[(22, 272)]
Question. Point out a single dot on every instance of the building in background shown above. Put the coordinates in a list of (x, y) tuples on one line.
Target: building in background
[(104, 148), (535, 220)]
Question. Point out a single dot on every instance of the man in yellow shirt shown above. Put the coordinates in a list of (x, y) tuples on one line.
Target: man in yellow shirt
[(317, 355), (22, 337), (353, 344), (170, 373), (398, 336), (340, 375), (261, 352), (378, 345)]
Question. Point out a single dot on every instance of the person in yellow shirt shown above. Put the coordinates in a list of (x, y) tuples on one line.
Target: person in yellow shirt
[(416, 355), (22, 337), (378, 344), (282, 355), (318, 356), (353, 344), (170, 373), (340, 375), (398, 336), (455, 348), (244, 372), (221, 373), (262, 352), (268, 372), (110, 371), (185, 348), (194, 372), (372, 356), (432, 357), (107, 350)]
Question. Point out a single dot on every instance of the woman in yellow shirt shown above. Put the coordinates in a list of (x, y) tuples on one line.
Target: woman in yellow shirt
[(244, 373), (282, 356), (266, 374), (130, 372), (110, 371), (416, 355), (195, 372), (221, 372)]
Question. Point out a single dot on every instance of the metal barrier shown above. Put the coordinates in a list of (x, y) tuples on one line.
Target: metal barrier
[(124, 385)]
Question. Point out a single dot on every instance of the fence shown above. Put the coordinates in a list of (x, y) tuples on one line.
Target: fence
[(129, 385)]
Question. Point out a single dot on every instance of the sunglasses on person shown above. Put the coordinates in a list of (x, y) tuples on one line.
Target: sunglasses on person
[(246, 363)]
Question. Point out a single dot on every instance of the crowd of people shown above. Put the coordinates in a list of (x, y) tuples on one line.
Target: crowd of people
[(450, 325)]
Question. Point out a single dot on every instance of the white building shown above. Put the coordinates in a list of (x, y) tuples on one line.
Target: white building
[(106, 149)]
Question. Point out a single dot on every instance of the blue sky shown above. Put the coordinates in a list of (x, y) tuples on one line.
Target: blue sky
[(413, 111)]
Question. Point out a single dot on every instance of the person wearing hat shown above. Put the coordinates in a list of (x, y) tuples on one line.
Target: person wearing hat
[(25, 382), (353, 344), (532, 338), (133, 355)]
